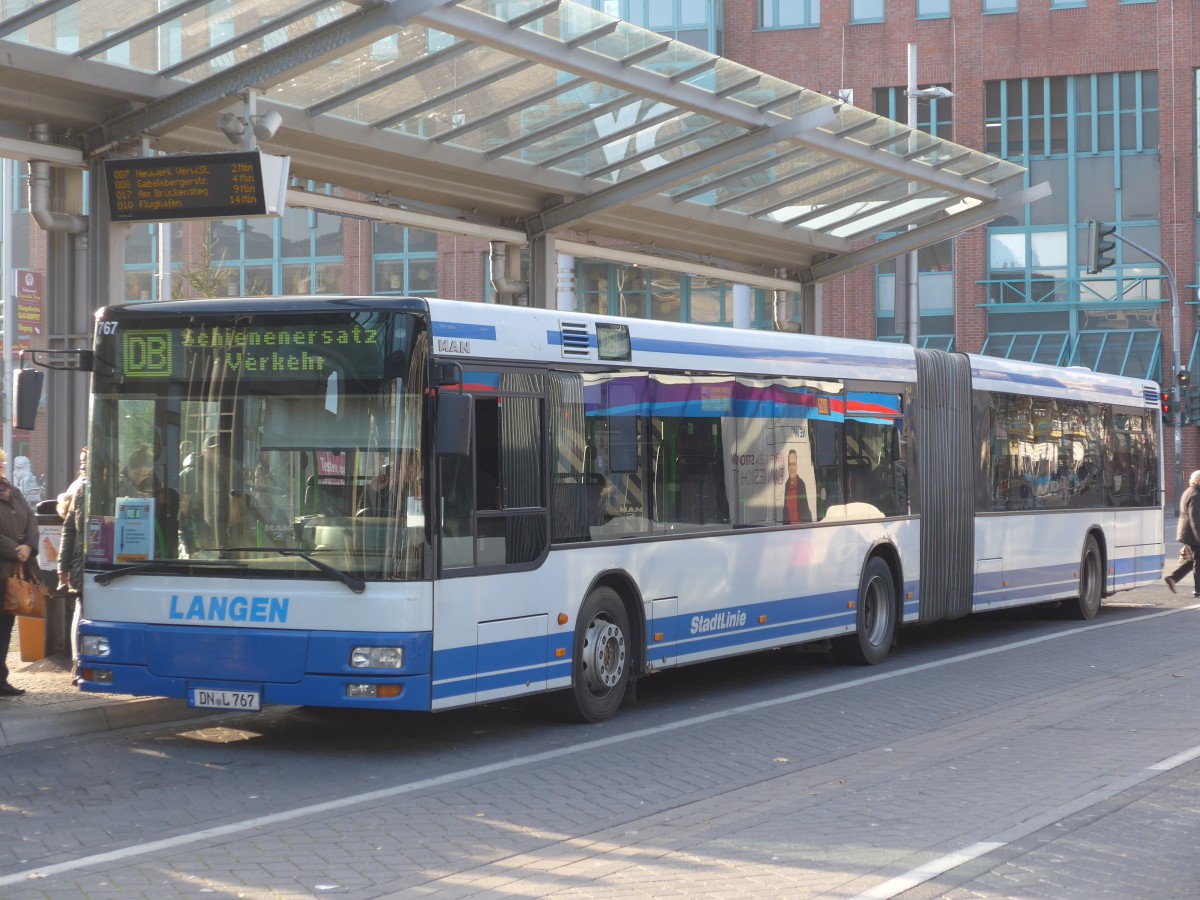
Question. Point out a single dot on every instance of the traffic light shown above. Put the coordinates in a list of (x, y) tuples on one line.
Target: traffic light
[(1099, 250), (1166, 407), (1192, 405)]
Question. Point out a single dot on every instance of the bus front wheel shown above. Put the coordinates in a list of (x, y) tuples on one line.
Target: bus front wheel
[(1091, 579), (602, 658), (875, 617)]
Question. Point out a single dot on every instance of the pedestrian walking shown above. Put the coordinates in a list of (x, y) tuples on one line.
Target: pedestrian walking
[(1187, 532)]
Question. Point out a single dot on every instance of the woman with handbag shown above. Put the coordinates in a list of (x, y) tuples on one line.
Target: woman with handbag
[(18, 547)]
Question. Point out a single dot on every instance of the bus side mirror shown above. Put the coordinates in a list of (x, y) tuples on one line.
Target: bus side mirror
[(455, 415), (27, 395)]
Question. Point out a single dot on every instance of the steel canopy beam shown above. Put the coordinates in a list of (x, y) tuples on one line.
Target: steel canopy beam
[(594, 66), (924, 235), (650, 86), (313, 49), (656, 180)]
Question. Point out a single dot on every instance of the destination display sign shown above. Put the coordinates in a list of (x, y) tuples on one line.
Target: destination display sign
[(196, 186), (292, 352)]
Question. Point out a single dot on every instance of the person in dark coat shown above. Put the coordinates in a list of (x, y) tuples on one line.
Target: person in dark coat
[(18, 545), (1187, 532)]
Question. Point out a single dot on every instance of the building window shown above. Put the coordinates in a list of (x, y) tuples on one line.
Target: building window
[(221, 29), (933, 9), (610, 289), (790, 13), (1095, 138), (935, 292), (693, 22), (118, 54), (934, 116), (404, 260), (1067, 4), (66, 30), (866, 11), (999, 6)]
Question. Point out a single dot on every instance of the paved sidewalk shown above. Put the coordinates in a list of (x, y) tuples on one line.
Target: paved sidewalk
[(52, 707)]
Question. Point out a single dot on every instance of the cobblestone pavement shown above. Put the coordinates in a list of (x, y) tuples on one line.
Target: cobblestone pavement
[(1018, 756), (1005, 757)]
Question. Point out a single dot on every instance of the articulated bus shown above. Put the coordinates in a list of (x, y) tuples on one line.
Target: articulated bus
[(419, 504)]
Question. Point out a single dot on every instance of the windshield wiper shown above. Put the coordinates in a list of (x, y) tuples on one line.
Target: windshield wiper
[(357, 585), (113, 574)]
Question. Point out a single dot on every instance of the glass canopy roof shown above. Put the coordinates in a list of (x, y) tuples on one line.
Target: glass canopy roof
[(590, 124)]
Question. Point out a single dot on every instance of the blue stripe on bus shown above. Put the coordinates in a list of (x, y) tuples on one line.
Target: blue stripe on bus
[(1058, 580), (442, 328), (516, 662)]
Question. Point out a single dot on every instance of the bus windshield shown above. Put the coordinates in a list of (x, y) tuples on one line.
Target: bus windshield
[(264, 443)]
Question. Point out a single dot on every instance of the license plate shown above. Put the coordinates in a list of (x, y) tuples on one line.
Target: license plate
[(206, 698)]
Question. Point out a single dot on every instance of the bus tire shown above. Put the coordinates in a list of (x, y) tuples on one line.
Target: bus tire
[(875, 617), (602, 658), (1091, 580)]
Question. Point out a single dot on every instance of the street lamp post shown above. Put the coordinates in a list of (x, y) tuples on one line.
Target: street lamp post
[(912, 276)]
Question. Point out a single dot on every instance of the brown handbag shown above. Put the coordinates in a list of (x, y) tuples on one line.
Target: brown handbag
[(24, 594)]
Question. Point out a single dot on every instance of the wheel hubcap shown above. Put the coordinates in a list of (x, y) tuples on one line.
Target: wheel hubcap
[(603, 655), (875, 612)]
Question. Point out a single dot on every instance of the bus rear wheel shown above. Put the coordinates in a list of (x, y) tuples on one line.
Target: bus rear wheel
[(602, 658), (875, 617), (1091, 579)]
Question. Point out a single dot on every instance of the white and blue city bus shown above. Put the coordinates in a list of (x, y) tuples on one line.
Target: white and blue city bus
[(411, 504)]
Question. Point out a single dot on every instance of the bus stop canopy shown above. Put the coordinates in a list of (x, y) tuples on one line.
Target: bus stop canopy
[(505, 119)]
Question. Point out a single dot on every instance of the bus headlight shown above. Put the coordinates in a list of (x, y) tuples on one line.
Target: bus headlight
[(93, 645), (377, 658)]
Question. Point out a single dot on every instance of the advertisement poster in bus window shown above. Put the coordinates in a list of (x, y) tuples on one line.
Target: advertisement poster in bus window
[(796, 407)]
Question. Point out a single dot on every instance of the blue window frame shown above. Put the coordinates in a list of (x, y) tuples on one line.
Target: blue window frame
[(933, 9), (1095, 138), (404, 260), (1049, 348), (1134, 352), (610, 289), (934, 116), (992, 7), (695, 22), (935, 291), (789, 13), (863, 12)]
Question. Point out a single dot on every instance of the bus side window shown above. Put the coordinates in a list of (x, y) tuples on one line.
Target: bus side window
[(458, 512), (487, 453)]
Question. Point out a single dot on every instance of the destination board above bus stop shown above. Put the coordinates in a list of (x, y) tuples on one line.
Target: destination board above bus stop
[(195, 186)]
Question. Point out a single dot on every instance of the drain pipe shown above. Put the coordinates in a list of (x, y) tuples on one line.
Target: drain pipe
[(505, 260), (783, 322), (39, 193)]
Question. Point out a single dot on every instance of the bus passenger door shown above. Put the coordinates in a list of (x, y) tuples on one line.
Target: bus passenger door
[(493, 506)]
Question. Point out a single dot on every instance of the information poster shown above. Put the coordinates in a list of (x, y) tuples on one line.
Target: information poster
[(134, 532)]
